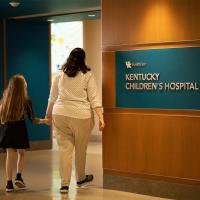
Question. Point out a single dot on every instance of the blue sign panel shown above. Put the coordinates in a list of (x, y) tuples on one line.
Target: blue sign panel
[(158, 78)]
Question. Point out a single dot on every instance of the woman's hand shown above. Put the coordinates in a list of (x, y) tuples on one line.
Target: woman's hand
[(48, 121), (99, 112), (101, 124)]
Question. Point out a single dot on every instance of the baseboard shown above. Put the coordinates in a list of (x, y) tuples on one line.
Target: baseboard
[(96, 138), (152, 187), (37, 145), (40, 145)]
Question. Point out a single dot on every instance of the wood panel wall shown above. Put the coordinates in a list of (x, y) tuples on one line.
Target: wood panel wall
[(150, 143)]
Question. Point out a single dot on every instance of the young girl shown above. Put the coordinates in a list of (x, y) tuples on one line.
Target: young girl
[(13, 106)]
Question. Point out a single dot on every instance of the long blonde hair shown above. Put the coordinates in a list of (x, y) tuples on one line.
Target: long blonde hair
[(12, 104)]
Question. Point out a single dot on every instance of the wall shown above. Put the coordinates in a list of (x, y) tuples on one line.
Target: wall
[(145, 148), (92, 46), (1, 56), (27, 53)]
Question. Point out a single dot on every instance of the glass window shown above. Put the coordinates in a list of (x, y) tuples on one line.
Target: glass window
[(64, 37)]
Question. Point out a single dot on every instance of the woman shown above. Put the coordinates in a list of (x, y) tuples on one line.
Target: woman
[(72, 99)]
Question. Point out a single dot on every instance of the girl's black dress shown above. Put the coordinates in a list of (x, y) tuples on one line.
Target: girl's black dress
[(14, 134)]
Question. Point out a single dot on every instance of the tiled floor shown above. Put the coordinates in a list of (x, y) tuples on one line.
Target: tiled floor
[(42, 178)]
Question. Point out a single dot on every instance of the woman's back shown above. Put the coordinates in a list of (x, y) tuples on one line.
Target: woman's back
[(75, 95), (74, 88)]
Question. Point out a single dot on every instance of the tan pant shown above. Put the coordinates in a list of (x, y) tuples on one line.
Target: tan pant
[(70, 133)]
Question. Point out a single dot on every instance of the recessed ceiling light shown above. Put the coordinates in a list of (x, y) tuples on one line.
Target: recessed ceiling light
[(14, 4), (91, 15), (50, 20)]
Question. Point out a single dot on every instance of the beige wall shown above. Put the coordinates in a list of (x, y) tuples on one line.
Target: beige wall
[(92, 46)]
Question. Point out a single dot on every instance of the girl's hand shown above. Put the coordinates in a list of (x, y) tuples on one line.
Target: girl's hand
[(37, 121), (42, 121)]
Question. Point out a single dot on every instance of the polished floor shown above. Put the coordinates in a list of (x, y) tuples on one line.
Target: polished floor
[(42, 179)]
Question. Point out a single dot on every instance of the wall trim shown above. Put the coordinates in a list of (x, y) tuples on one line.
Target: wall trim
[(63, 12), (40, 145), (153, 45), (152, 177), (152, 187), (95, 138), (36, 145)]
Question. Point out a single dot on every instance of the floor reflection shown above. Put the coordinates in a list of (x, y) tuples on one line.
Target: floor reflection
[(41, 176)]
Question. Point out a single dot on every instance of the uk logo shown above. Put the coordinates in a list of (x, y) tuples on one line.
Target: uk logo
[(128, 64)]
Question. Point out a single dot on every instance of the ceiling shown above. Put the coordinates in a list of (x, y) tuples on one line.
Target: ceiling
[(58, 10)]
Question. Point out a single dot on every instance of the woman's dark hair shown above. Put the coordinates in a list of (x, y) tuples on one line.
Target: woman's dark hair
[(75, 63)]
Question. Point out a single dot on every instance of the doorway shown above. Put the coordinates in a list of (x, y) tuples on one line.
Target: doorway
[(85, 34)]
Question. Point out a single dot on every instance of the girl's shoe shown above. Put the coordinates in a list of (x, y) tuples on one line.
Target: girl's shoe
[(64, 189), (9, 186), (20, 183)]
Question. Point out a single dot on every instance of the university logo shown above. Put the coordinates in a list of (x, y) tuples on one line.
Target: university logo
[(130, 64)]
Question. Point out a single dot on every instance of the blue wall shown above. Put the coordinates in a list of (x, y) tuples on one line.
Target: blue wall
[(174, 65), (28, 54)]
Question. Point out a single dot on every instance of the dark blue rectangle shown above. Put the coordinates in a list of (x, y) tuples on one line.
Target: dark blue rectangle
[(178, 68), (1, 58), (28, 54)]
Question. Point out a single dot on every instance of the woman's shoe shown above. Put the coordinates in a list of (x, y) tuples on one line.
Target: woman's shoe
[(88, 178)]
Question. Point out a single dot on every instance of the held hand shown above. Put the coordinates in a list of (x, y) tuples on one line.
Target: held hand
[(37, 121), (48, 121), (101, 124), (42, 121)]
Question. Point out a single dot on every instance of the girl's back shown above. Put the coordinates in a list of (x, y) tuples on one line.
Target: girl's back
[(14, 105)]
